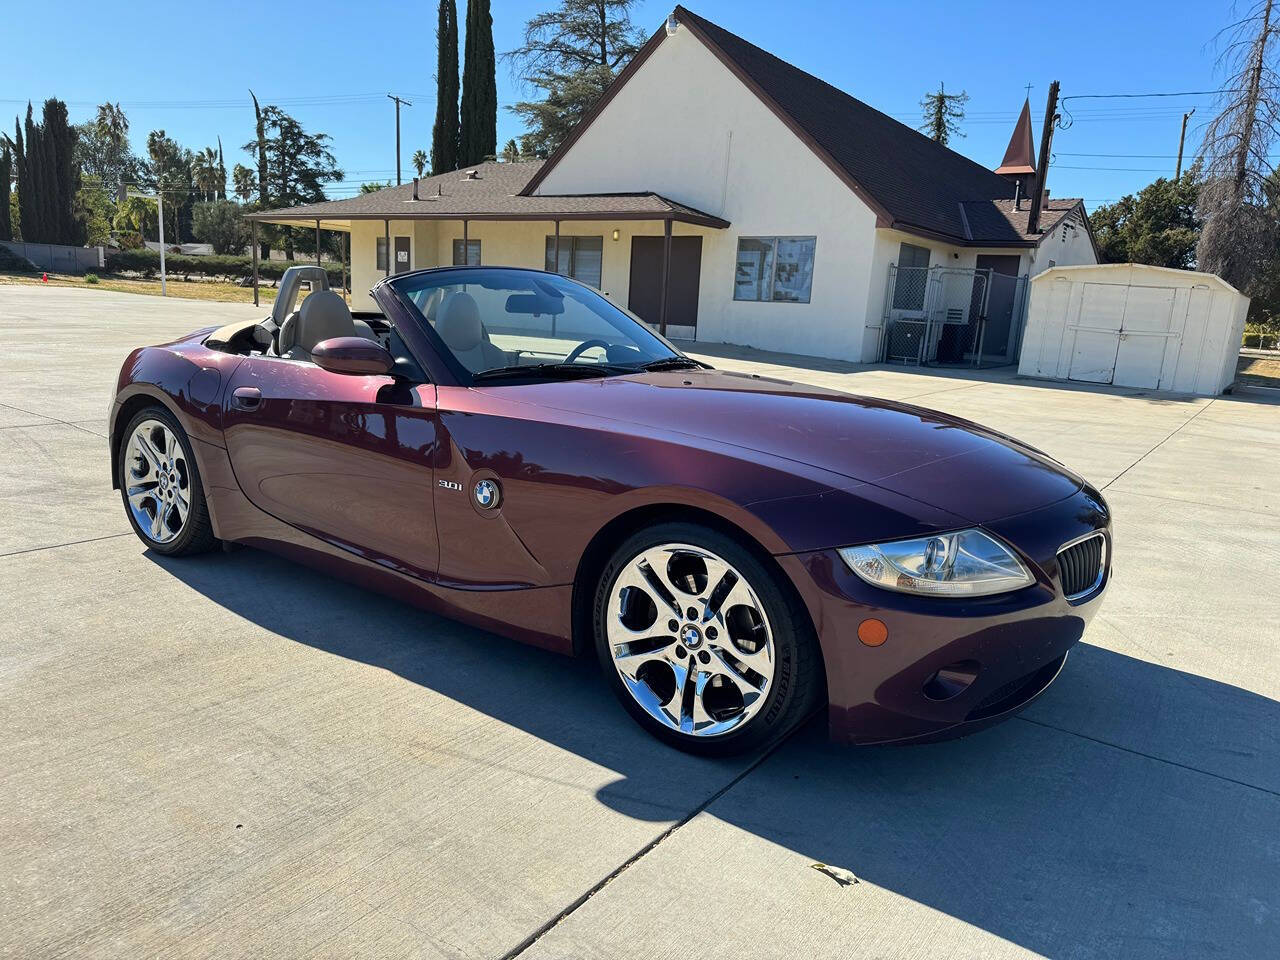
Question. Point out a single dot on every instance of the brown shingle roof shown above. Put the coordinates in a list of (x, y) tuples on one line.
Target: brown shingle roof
[(911, 182), (916, 181), (494, 194), (996, 222)]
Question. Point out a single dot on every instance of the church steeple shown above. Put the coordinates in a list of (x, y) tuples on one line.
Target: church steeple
[(1020, 157)]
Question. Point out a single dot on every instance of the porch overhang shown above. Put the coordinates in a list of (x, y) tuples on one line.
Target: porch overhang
[(544, 209)]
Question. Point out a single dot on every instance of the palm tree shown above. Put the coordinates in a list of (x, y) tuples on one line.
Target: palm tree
[(206, 171), (244, 182), (113, 125), (419, 161), (511, 152)]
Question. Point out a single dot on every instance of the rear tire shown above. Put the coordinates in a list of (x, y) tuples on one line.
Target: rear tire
[(701, 643), (160, 485)]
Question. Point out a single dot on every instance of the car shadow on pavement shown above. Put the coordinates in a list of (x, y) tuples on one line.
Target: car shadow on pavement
[(1131, 811)]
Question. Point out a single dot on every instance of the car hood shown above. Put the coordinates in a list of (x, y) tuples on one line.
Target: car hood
[(949, 463)]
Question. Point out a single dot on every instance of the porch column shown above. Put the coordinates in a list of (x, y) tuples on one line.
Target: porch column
[(555, 263), (666, 275), (317, 243), (254, 231), (344, 267), (386, 234)]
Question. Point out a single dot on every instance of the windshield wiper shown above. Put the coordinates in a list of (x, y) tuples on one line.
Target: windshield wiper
[(551, 371), (672, 363)]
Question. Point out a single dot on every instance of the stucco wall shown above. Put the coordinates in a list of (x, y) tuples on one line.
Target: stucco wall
[(1067, 245), (686, 127)]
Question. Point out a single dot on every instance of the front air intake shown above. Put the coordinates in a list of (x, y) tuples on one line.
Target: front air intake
[(1082, 565)]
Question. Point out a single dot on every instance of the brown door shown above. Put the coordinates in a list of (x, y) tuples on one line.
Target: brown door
[(645, 296), (402, 255), (996, 339)]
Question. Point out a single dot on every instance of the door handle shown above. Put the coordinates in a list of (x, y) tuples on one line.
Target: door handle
[(246, 398)]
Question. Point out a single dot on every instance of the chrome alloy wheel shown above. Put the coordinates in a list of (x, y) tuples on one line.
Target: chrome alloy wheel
[(158, 481), (690, 639)]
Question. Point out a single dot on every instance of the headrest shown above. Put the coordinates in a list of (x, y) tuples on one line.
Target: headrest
[(323, 315), (459, 322)]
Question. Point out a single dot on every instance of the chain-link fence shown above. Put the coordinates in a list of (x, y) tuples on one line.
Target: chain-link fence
[(952, 316)]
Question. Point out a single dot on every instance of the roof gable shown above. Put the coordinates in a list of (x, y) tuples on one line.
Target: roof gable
[(910, 181)]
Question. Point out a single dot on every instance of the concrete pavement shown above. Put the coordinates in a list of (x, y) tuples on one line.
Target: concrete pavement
[(233, 755)]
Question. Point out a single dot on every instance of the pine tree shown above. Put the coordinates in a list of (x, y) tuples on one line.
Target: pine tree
[(942, 114), (444, 135), (478, 115), (571, 54)]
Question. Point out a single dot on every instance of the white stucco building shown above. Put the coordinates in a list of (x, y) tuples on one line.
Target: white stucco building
[(728, 196)]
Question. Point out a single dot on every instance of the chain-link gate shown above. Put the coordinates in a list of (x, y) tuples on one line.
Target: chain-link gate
[(952, 316)]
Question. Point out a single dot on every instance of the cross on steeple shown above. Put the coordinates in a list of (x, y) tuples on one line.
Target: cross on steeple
[(1028, 91)]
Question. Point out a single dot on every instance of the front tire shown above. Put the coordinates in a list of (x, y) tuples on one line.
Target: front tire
[(160, 485), (701, 643)]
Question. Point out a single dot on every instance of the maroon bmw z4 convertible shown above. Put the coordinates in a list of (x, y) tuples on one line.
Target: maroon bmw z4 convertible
[(509, 448)]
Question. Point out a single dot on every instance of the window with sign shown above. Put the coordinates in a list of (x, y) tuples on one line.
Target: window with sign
[(472, 258), (774, 269)]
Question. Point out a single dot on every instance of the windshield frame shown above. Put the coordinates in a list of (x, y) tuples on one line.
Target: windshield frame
[(446, 367)]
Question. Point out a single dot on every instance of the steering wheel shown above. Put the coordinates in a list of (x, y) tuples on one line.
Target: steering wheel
[(583, 347)]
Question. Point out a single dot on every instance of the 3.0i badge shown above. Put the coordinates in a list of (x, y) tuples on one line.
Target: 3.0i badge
[(487, 494)]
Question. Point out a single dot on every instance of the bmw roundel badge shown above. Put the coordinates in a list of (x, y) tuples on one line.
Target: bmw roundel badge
[(487, 494)]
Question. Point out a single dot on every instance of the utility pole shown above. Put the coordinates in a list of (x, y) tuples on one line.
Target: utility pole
[(1042, 168), (398, 101), (1181, 140)]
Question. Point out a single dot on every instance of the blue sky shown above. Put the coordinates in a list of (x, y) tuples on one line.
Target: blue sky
[(187, 70)]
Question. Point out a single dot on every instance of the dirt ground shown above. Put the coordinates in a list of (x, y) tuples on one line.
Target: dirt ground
[(1259, 371)]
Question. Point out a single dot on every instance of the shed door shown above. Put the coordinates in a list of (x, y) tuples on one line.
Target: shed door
[(1147, 329), (1097, 332)]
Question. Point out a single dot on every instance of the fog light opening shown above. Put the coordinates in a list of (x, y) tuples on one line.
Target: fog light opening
[(952, 680)]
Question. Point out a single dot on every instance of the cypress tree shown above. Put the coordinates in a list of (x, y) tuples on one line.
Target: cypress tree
[(66, 223), (6, 171), (478, 136), (27, 207), (444, 134)]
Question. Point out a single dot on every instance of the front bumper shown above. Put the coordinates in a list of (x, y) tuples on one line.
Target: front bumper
[(996, 653)]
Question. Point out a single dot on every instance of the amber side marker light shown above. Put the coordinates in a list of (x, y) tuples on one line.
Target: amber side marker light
[(873, 632)]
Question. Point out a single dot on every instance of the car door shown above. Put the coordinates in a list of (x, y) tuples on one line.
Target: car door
[(346, 458)]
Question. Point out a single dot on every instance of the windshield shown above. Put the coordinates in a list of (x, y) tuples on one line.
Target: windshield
[(508, 324)]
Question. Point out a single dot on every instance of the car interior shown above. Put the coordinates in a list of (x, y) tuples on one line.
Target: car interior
[(291, 333)]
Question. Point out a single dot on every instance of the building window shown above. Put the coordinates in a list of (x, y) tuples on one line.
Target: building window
[(473, 254), (777, 269), (580, 257), (912, 278), (382, 254)]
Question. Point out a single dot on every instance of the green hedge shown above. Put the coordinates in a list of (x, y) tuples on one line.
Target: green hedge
[(147, 262)]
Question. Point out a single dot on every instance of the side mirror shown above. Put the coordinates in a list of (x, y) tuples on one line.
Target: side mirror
[(352, 355)]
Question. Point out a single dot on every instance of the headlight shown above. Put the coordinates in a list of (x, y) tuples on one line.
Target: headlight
[(965, 564)]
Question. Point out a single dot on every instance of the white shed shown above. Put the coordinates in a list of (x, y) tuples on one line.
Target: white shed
[(1134, 325)]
